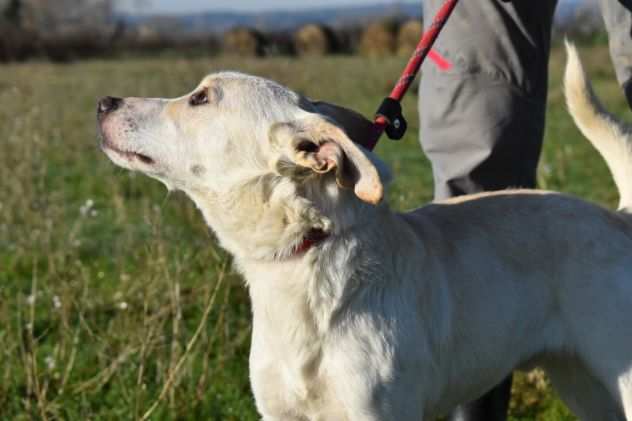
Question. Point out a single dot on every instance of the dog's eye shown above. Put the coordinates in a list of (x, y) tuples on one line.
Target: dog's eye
[(199, 98)]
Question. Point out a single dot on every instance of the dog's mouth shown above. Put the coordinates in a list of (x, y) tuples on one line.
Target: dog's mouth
[(130, 155)]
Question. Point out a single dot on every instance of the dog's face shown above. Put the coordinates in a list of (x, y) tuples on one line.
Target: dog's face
[(236, 142), (191, 142)]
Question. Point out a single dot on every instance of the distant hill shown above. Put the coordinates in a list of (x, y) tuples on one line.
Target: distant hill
[(276, 20), (220, 21)]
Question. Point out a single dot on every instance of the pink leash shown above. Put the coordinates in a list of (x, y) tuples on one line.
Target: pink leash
[(388, 117)]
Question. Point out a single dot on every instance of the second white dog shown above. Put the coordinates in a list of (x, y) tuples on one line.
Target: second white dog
[(364, 314)]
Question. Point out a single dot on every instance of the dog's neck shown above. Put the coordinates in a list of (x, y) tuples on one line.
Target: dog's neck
[(269, 231), (314, 284), (274, 240), (321, 279), (272, 219)]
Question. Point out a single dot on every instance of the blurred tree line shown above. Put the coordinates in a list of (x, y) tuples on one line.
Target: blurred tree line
[(54, 16), (56, 29), (62, 30)]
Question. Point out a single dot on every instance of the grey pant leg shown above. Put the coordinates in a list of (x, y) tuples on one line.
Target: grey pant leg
[(479, 136), (482, 121)]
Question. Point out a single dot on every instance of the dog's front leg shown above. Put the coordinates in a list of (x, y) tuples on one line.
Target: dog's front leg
[(364, 396), (372, 377)]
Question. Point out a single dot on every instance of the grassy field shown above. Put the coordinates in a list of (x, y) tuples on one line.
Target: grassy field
[(115, 302)]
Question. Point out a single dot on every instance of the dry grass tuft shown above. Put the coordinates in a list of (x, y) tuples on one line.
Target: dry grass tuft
[(531, 393)]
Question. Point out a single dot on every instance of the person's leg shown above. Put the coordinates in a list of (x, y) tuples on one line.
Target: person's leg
[(482, 121), (479, 135)]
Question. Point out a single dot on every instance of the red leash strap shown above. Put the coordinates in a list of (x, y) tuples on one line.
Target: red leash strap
[(389, 116)]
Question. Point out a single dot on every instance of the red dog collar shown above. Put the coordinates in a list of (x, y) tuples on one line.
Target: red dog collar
[(313, 237)]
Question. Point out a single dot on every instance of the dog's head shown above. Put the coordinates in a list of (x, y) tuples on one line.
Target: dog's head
[(258, 159)]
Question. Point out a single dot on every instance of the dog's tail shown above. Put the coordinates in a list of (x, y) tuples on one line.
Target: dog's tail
[(611, 137)]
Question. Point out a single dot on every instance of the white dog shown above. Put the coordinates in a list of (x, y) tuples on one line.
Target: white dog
[(362, 313)]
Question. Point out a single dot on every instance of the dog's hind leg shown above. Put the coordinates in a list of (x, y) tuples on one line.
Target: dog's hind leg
[(584, 394)]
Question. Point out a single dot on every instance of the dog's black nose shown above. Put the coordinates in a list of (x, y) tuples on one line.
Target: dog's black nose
[(108, 104)]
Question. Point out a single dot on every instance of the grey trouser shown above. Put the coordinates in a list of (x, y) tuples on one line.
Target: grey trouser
[(482, 121)]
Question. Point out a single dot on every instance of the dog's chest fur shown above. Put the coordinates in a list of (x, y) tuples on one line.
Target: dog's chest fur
[(293, 307)]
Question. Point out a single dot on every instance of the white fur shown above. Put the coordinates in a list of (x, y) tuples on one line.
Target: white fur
[(394, 316)]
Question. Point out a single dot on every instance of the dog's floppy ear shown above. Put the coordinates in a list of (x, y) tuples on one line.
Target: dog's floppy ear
[(317, 145)]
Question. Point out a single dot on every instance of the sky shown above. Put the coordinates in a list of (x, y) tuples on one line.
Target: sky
[(186, 6)]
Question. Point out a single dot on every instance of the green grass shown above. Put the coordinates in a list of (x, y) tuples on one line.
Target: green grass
[(105, 278)]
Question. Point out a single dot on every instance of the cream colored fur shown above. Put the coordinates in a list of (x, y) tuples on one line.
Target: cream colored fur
[(394, 316)]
